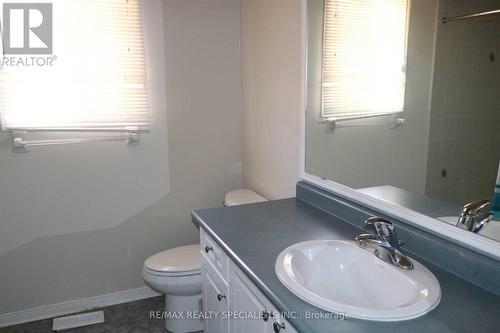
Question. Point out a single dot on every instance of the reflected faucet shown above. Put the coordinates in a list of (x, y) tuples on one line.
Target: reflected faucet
[(385, 243), (475, 215)]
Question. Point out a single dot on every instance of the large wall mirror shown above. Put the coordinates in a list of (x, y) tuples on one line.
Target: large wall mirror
[(403, 103)]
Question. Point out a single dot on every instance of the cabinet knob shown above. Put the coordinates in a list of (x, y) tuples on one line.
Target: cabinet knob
[(278, 327), (220, 297), (208, 249), (266, 314)]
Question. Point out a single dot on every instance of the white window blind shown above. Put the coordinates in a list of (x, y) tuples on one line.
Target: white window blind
[(364, 57), (97, 81)]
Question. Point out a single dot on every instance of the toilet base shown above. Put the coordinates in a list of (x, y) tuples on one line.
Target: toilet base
[(181, 309)]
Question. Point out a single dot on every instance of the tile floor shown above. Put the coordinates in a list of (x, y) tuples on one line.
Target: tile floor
[(122, 318)]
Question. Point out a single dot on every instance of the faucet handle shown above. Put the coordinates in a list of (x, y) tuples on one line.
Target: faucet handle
[(383, 227), (479, 207), (475, 215)]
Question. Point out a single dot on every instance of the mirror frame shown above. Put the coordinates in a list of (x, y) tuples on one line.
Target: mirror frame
[(482, 245)]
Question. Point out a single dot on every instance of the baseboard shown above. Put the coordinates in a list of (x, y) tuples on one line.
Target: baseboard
[(65, 308)]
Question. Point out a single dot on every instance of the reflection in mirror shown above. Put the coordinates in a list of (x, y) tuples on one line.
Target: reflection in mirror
[(403, 103)]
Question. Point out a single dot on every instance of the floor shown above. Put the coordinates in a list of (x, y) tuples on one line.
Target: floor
[(122, 318)]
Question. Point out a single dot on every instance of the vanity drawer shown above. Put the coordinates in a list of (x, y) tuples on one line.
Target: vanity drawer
[(214, 254)]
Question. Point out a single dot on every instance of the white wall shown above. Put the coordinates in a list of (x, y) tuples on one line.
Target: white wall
[(271, 53), (365, 153), (78, 221)]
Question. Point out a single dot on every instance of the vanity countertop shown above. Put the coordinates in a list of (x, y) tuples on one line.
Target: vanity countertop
[(253, 236)]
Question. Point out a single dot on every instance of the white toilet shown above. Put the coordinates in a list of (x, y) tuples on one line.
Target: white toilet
[(177, 274)]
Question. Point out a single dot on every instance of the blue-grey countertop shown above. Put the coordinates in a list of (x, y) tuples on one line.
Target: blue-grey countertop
[(253, 236)]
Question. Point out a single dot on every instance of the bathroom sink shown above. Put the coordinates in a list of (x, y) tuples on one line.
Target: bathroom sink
[(344, 278), (491, 230)]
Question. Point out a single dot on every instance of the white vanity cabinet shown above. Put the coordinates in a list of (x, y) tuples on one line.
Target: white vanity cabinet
[(231, 302), (215, 301), (251, 312), (214, 286)]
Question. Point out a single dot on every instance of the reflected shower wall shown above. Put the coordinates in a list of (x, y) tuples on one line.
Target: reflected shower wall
[(464, 142)]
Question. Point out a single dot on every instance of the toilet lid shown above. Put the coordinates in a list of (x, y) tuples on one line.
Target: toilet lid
[(243, 196), (179, 259)]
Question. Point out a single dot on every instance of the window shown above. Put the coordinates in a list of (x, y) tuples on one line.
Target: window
[(97, 80), (364, 57)]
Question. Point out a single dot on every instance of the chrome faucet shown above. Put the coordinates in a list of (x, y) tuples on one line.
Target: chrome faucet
[(475, 215), (385, 243)]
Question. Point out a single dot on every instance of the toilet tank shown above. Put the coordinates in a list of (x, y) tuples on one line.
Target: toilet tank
[(242, 196)]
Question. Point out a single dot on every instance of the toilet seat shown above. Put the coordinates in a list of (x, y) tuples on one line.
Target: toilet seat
[(171, 274), (179, 261), (173, 283)]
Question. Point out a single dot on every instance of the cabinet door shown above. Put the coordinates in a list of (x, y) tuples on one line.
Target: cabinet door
[(215, 303), (283, 326), (250, 315), (289, 328)]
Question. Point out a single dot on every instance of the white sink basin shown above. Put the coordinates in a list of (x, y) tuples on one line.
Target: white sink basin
[(342, 277), (491, 230)]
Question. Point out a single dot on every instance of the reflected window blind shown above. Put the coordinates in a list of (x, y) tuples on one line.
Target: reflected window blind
[(98, 77), (364, 57)]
